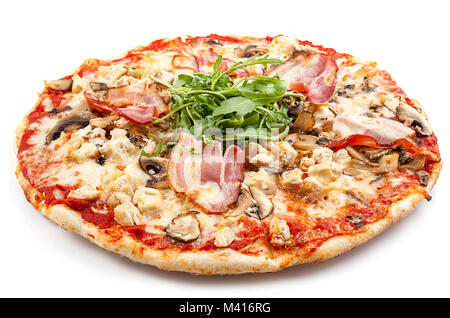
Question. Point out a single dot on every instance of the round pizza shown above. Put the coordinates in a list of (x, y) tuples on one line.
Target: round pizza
[(226, 154)]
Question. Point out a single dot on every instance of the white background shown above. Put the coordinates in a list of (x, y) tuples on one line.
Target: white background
[(47, 40)]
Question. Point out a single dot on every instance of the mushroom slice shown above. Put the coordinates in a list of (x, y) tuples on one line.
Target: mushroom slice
[(245, 203), (99, 89), (98, 86), (137, 135), (77, 119), (250, 50), (60, 110), (356, 219), (411, 117), (355, 154), (357, 196), (424, 177), (374, 153), (296, 104), (60, 84), (156, 168), (264, 204), (184, 227), (414, 163)]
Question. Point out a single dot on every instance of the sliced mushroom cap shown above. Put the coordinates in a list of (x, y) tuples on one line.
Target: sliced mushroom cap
[(60, 84), (99, 89), (296, 104), (356, 219), (184, 227), (374, 154), (98, 86), (60, 110), (245, 203), (264, 204), (355, 154), (424, 177), (386, 163), (413, 163), (73, 120), (156, 168), (138, 135), (412, 117), (250, 50), (357, 196)]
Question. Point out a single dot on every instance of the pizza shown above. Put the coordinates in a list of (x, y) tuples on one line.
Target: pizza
[(226, 154)]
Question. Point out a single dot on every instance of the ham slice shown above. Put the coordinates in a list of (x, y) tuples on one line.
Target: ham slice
[(206, 176), (310, 73), (383, 130), (138, 103), (207, 58)]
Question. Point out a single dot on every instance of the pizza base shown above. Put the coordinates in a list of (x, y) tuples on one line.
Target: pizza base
[(214, 262)]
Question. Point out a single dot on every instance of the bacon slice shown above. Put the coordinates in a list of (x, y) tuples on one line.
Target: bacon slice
[(207, 58), (138, 103), (383, 130), (207, 177), (310, 73)]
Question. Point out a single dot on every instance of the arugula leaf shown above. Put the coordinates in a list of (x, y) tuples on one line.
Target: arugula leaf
[(239, 105), (208, 103)]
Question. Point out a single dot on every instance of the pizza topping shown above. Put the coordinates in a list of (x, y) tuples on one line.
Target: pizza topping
[(214, 101), (73, 120), (86, 151), (411, 162), (272, 159), (303, 142), (263, 203), (424, 177), (117, 198), (138, 102), (250, 50), (356, 220), (245, 203), (64, 84), (411, 117), (311, 73), (208, 177), (127, 214), (148, 200), (99, 89), (85, 193), (291, 177), (383, 130), (156, 168), (280, 233), (118, 150), (224, 236), (184, 227)]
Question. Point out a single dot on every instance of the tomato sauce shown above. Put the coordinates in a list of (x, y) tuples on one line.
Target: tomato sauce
[(310, 232)]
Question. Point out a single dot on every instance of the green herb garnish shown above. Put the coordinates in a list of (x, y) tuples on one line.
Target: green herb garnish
[(157, 151), (214, 102)]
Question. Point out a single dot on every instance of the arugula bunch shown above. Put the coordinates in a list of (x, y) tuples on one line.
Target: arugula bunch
[(205, 103)]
